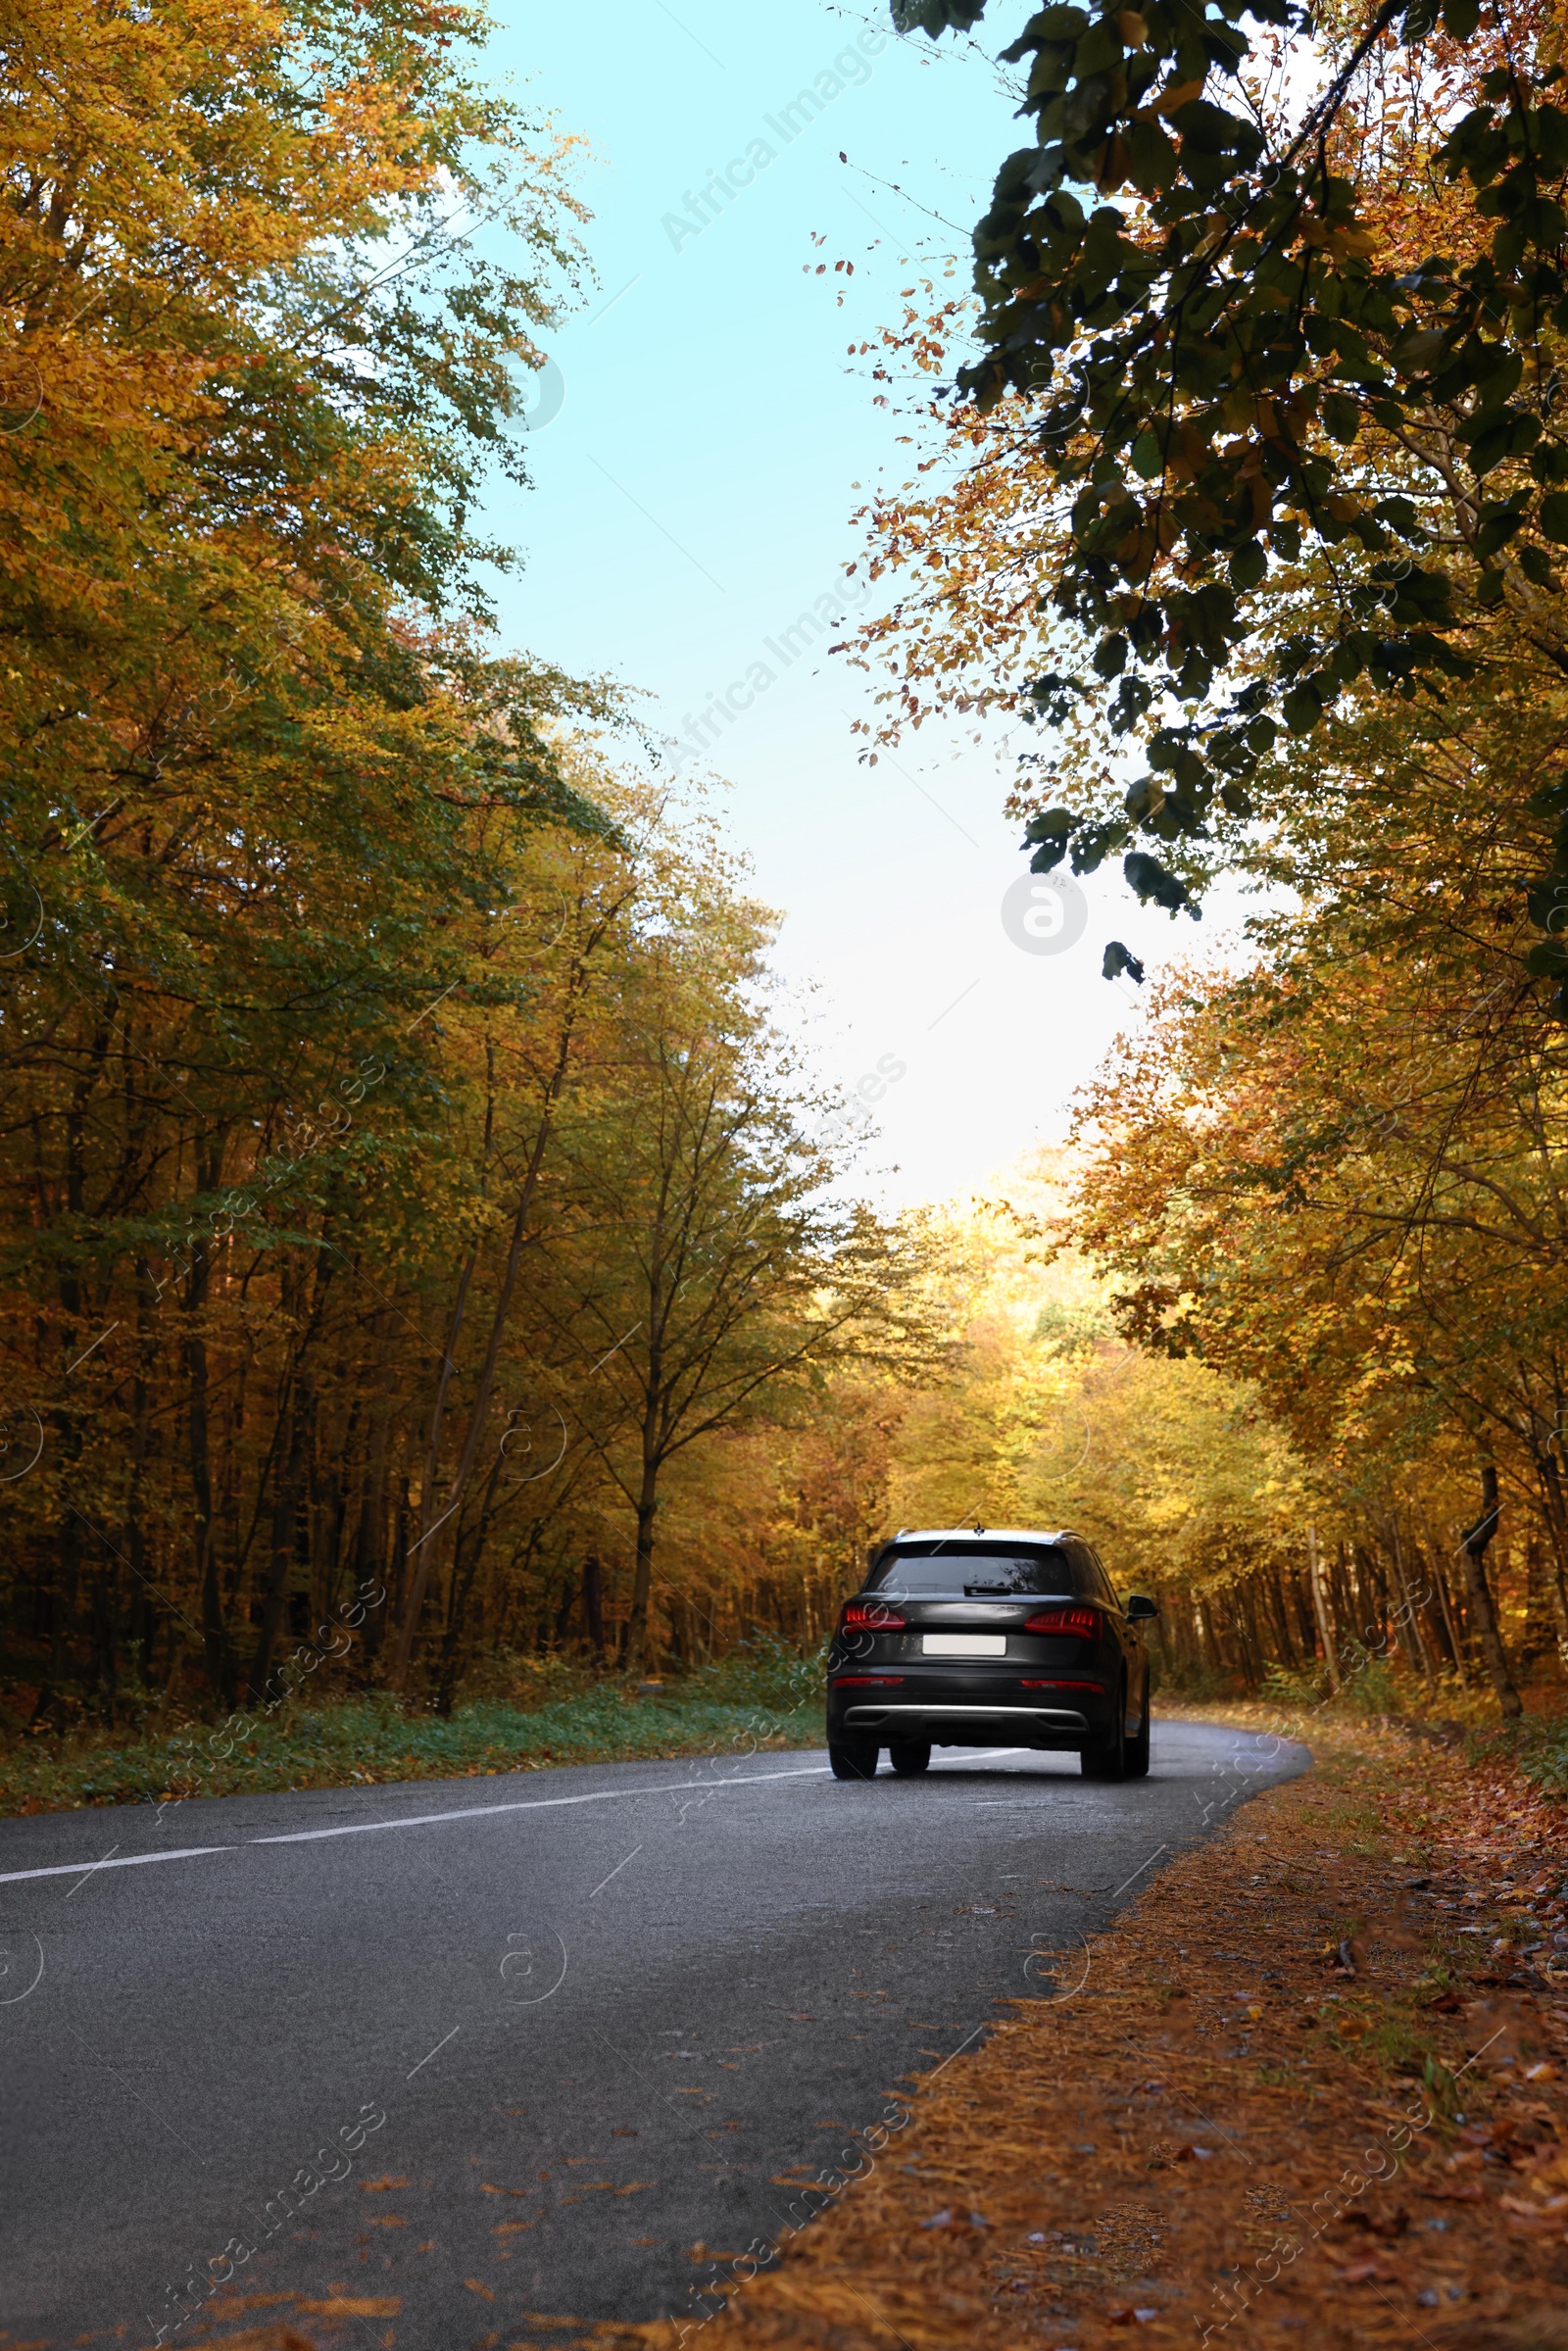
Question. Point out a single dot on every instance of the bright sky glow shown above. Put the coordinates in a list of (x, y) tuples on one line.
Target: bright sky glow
[(702, 435)]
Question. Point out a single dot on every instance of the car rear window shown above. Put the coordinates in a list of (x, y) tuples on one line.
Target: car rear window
[(1025, 1569)]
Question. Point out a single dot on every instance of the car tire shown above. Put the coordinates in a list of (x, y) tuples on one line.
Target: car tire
[(853, 1759), (1110, 1762), (1138, 1746), (910, 1758)]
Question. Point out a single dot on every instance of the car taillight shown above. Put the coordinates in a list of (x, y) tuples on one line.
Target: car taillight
[(870, 1616), (1078, 1624), (869, 1681)]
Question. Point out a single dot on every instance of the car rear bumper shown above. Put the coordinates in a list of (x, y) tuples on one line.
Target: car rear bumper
[(916, 1708), (969, 1726)]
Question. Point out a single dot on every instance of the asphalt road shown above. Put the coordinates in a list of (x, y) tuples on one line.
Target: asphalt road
[(464, 2050)]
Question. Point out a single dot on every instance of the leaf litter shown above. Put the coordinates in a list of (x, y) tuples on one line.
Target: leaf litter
[(1291, 2107)]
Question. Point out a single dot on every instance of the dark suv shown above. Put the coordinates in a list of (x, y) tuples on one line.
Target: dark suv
[(983, 1635)]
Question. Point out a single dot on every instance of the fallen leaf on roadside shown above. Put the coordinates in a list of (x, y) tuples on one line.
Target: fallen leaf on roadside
[(354, 2306), (266, 2339), (1394, 2223)]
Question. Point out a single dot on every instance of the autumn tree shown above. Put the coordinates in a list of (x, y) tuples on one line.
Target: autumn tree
[(701, 1262), (1266, 286), (255, 371), (1337, 1174)]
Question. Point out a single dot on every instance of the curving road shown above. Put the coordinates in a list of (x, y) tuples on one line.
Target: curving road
[(433, 2058)]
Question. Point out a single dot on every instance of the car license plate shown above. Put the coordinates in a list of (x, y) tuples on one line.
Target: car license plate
[(964, 1644)]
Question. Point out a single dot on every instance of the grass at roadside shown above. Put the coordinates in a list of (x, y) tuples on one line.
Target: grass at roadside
[(753, 1705), (1310, 2090)]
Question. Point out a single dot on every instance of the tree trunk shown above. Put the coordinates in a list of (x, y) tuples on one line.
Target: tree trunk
[(1342, 1599), (1320, 1609), (643, 1580), (280, 1551), (1473, 1550), (467, 1558), (369, 1549), (1451, 1624), (1434, 1621), (1271, 1609), (105, 1615), (1539, 1636), (400, 1551), (593, 1604), (1410, 1614), (420, 1551), (215, 1634), (1556, 1517), (1256, 1656)]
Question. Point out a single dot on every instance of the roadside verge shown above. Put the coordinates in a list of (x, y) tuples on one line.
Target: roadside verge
[(1309, 2090), (371, 1742)]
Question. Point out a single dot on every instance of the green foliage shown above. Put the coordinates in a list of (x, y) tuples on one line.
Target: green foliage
[(763, 1673), (1294, 1686), (1072, 1329), (368, 1740), (1208, 312), (1192, 1683), (335, 998), (1370, 1688), (1540, 1746)]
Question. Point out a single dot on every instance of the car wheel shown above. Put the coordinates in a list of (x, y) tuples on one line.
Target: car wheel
[(910, 1758), (1110, 1762), (854, 1759), (1138, 1746)]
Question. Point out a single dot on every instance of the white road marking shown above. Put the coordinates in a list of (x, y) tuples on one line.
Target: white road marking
[(474, 1812), (419, 1820), (97, 1865), (127, 1861), (465, 1812)]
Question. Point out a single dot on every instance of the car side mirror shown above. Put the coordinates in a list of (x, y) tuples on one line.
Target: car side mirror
[(1140, 1609)]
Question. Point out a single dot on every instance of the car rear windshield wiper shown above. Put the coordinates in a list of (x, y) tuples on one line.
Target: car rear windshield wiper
[(974, 1591)]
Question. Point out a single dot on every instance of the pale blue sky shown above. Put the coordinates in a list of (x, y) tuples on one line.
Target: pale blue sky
[(692, 497)]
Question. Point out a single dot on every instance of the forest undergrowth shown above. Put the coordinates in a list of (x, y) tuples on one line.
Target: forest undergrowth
[(525, 1715)]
